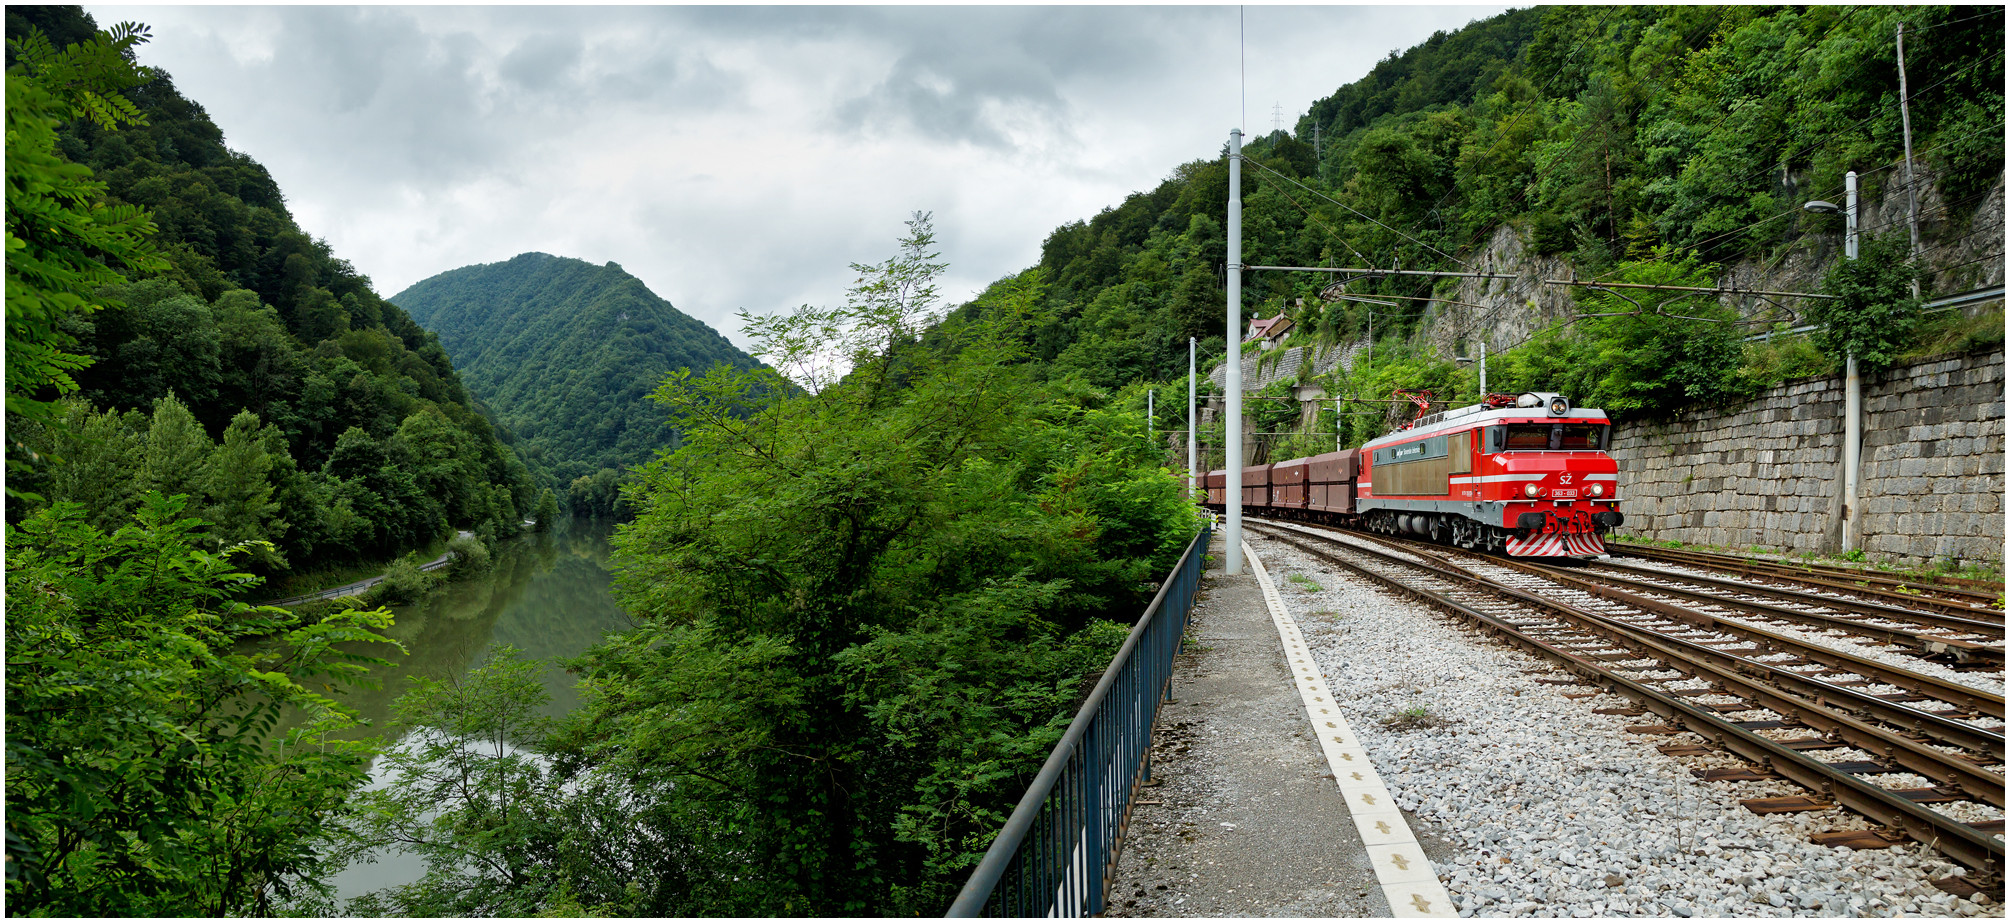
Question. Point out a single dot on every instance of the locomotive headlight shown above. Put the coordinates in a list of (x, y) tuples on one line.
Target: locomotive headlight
[(1532, 490), (1597, 490)]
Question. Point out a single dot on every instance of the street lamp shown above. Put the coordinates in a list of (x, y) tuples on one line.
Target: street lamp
[(1852, 383)]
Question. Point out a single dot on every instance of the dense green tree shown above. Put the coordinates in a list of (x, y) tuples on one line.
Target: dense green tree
[(864, 610), (143, 775), (60, 229), (547, 510), (228, 308), (237, 481), (100, 451), (177, 451), (597, 496)]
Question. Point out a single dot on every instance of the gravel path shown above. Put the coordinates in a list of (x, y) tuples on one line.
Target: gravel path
[(1547, 809)]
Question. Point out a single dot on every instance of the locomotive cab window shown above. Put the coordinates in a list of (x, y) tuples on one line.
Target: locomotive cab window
[(1561, 436)]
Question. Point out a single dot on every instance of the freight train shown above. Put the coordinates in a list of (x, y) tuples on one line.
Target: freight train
[(1524, 474)]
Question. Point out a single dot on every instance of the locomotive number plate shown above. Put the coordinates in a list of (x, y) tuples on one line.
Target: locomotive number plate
[(1565, 494)]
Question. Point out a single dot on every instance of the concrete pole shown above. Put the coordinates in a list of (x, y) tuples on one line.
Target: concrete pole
[(1232, 421), (1911, 182), (1483, 369), (1852, 447), (1192, 427), (1151, 415), (1849, 214)]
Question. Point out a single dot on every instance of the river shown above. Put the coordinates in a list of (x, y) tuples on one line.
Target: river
[(546, 593)]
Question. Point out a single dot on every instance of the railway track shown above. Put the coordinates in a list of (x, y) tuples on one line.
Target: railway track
[(1949, 595), (1978, 638), (1921, 756)]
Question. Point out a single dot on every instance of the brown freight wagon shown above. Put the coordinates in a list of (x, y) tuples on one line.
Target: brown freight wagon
[(1330, 480), (1287, 484), (1256, 486)]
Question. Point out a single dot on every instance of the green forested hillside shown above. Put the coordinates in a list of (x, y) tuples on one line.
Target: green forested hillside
[(245, 365), (1651, 144), (566, 354)]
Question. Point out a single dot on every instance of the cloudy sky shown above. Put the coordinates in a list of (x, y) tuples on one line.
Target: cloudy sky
[(735, 156)]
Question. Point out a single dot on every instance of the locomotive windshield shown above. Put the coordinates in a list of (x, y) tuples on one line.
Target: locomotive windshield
[(1580, 436)]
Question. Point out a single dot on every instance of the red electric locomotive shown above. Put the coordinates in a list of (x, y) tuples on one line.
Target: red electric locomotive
[(1524, 474)]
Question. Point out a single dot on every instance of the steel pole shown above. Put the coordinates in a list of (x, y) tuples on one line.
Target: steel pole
[(1151, 417), (1192, 425), (1232, 423), (1852, 447)]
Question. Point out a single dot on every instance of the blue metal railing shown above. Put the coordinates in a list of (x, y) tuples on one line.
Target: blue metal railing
[(1055, 855)]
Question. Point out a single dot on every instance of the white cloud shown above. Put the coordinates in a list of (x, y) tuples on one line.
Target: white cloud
[(740, 157)]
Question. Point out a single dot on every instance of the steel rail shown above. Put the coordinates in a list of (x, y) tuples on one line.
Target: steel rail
[(1961, 696), (1955, 839), (1858, 606), (1914, 756), (1965, 597), (1940, 727), (1925, 644), (1957, 694)]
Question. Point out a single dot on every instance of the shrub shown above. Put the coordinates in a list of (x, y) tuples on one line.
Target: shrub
[(403, 583), (471, 557)]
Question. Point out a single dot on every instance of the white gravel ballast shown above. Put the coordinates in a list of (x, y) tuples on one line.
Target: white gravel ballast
[(1557, 811)]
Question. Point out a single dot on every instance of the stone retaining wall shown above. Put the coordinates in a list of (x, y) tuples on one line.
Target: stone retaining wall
[(1766, 474)]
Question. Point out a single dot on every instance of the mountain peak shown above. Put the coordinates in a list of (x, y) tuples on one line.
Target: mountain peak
[(566, 354)]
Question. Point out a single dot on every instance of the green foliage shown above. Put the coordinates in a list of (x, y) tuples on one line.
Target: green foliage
[(547, 510), (471, 557), (403, 583), (143, 774), (566, 353), (463, 797), (230, 309), (867, 604), (60, 230), (597, 496), (1638, 352), (1875, 313), (1610, 136)]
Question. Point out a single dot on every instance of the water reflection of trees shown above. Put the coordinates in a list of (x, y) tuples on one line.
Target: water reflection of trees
[(546, 593)]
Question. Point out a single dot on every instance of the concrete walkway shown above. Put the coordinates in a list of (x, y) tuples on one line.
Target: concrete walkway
[(1243, 816)]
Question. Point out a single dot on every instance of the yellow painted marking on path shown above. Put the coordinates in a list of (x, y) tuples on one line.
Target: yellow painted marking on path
[(1411, 892)]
